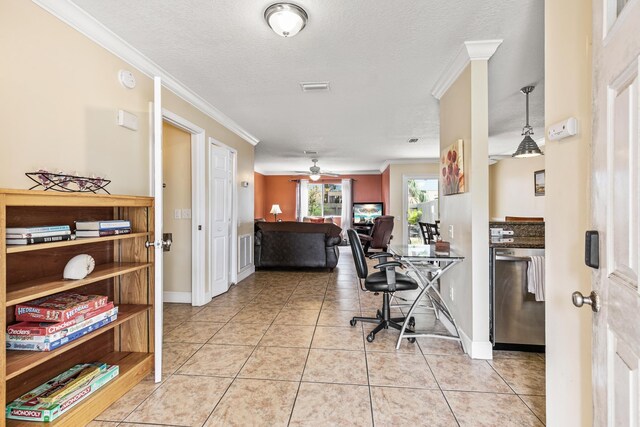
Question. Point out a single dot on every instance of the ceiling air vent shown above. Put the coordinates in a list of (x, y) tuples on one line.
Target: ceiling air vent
[(314, 86), (413, 140), (310, 152)]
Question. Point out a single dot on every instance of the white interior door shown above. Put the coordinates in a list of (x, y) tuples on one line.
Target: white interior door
[(616, 327), (220, 207), (157, 194)]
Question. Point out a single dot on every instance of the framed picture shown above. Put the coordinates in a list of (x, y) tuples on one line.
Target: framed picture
[(538, 183), (452, 168)]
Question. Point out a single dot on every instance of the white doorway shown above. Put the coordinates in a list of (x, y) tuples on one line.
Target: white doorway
[(195, 292), (223, 259), (419, 204)]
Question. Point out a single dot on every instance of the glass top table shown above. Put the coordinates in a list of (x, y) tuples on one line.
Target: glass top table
[(428, 268)]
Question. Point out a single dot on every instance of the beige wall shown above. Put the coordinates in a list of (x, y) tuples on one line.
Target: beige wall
[(60, 100), (568, 65), (511, 188), (60, 97), (176, 154), (396, 173), (464, 115)]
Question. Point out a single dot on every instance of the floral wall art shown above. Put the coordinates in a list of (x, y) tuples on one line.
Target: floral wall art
[(452, 169)]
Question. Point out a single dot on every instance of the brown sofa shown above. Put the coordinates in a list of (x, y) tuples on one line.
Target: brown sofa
[(296, 244)]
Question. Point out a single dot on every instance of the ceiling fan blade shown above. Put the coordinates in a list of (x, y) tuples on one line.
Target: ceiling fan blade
[(329, 174)]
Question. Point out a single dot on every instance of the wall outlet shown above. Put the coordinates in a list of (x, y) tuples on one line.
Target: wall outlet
[(186, 213), (451, 231), (177, 214)]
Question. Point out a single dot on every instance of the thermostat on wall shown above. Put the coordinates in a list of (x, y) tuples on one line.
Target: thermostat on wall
[(563, 129), (127, 120)]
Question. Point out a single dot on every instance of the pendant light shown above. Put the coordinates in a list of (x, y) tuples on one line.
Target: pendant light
[(528, 147), (286, 19)]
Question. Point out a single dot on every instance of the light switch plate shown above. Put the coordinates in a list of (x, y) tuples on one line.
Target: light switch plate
[(177, 214), (451, 231), (186, 213)]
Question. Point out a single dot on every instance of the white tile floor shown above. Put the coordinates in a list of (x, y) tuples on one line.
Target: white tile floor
[(277, 349)]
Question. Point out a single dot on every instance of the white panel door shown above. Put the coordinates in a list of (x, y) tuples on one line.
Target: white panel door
[(220, 205), (615, 203)]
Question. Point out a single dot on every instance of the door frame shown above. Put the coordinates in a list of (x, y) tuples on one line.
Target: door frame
[(233, 234), (198, 199), (405, 200)]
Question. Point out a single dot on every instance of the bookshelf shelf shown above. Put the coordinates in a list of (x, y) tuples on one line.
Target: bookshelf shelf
[(83, 241), (19, 362), (124, 272), (41, 287), (133, 368)]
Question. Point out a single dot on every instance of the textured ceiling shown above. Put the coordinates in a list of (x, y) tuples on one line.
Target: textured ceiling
[(381, 57)]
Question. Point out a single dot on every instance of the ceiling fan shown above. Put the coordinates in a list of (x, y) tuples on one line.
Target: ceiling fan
[(315, 173)]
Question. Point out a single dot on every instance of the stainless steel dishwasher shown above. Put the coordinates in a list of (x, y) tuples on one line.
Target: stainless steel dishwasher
[(517, 318)]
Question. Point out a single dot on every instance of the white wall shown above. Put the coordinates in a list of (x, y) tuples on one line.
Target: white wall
[(511, 188), (464, 115)]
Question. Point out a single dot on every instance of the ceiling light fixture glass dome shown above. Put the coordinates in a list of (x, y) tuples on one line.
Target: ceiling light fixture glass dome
[(286, 19), (314, 177)]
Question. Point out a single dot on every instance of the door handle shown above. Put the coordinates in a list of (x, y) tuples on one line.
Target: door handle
[(165, 244), (593, 300)]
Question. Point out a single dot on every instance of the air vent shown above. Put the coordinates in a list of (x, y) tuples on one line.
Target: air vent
[(413, 140), (314, 86), (310, 152)]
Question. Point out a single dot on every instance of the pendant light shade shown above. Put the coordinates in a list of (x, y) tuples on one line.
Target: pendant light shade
[(286, 19), (528, 147)]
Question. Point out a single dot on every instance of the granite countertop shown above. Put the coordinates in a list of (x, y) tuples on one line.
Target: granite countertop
[(518, 242)]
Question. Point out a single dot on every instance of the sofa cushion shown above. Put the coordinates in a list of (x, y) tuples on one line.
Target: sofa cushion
[(330, 230)]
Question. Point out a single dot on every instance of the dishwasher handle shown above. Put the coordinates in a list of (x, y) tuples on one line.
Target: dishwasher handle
[(512, 258)]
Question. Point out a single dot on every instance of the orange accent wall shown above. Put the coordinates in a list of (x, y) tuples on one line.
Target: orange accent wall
[(281, 189), (385, 184), (259, 191)]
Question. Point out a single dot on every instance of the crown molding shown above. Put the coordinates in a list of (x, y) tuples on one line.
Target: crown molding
[(388, 163), (480, 50), (86, 24)]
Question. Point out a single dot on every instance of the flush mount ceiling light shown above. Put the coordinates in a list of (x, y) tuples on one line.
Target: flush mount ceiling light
[(528, 147), (286, 19)]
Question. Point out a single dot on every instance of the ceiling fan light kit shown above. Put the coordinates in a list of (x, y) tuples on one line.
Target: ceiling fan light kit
[(528, 147), (286, 19)]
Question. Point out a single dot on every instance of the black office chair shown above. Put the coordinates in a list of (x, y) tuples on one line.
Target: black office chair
[(387, 280)]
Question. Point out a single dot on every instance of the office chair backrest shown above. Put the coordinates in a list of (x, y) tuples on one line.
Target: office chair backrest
[(381, 231), (358, 254)]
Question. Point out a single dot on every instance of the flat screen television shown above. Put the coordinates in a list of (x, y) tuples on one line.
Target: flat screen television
[(365, 213)]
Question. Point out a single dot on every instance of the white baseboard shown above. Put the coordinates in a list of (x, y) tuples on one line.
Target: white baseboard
[(246, 272), (475, 349), (184, 297)]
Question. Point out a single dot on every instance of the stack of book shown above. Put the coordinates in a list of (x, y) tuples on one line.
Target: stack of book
[(43, 234), (50, 400), (102, 228), (49, 322)]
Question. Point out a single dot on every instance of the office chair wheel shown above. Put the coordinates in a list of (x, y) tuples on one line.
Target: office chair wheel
[(411, 340), (353, 322), (371, 337), (412, 322)]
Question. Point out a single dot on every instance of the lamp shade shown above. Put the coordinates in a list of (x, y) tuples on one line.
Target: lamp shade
[(286, 19), (527, 148), (275, 209)]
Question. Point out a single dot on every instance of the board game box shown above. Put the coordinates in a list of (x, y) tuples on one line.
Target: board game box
[(59, 307), (29, 329), (36, 405), (49, 346), (63, 332)]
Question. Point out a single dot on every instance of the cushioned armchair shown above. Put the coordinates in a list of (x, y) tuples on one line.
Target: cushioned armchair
[(380, 234)]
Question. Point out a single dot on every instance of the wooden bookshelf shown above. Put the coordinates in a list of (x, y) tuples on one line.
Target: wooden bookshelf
[(124, 272)]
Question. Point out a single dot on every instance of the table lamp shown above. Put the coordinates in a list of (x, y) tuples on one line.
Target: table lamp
[(275, 210)]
